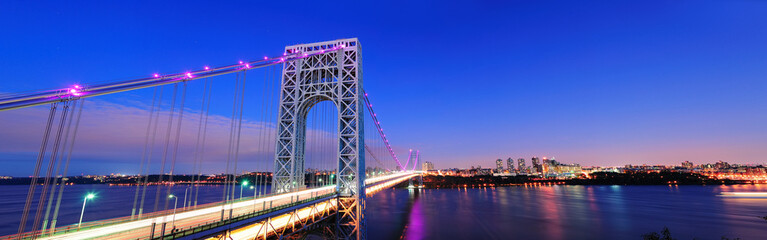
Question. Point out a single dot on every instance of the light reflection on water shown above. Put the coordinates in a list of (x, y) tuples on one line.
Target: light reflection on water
[(566, 212)]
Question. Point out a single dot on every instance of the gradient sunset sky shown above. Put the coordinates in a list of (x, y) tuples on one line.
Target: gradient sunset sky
[(466, 82)]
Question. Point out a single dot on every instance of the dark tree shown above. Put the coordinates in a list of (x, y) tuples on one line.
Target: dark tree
[(664, 235)]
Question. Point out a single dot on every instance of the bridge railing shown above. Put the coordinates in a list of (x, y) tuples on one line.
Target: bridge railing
[(214, 224)]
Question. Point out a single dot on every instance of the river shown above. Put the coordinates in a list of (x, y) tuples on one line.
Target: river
[(518, 212)]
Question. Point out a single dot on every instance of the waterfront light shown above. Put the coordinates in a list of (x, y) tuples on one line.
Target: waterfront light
[(82, 212), (173, 223), (244, 183)]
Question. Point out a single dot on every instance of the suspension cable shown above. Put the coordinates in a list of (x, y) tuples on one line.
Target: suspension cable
[(144, 152), (66, 167), (149, 155)]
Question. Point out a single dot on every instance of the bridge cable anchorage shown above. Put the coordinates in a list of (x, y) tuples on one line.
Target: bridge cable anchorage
[(144, 152)]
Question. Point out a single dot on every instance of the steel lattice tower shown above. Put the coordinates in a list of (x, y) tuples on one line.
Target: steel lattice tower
[(336, 76)]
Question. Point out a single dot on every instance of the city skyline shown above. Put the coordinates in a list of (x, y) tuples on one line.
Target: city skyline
[(587, 86)]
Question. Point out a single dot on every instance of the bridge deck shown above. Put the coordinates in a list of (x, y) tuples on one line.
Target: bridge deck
[(191, 218)]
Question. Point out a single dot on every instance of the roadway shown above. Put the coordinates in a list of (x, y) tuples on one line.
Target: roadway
[(186, 218)]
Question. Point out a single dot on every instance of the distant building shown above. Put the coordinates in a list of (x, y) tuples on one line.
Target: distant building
[(722, 165), (521, 165), (537, 167), (499, 165), (427, 166), (687, 164), (510, 164)]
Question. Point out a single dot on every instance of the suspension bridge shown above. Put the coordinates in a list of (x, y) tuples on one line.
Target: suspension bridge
[(303, 128)]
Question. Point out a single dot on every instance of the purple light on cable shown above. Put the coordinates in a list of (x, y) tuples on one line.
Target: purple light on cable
[(156, 75), (266, 58), (207, 68), (282, 59), (247, 65), (189, 75), (74, 91), (240, 62)]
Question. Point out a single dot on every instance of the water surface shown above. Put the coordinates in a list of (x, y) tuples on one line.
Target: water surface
[(566, 212)]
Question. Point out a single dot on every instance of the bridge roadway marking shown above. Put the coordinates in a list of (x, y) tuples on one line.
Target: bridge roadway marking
[(127, 230)]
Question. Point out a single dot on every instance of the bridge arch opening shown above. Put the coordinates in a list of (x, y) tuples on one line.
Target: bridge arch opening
[(319, 128)]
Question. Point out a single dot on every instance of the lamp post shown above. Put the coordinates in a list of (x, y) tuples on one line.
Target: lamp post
[(173, 224), (244, 183), (185, 190), (89, 196)]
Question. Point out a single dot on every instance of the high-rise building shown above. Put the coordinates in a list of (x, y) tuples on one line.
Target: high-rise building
[(537, 167), (427, 166), (521, 165), (510, 164), (499, 165), (687, 164)]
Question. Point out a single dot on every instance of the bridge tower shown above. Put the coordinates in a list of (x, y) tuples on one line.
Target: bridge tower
[(335, 75)]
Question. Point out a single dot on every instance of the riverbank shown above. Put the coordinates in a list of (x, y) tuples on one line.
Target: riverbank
[(605, 178)]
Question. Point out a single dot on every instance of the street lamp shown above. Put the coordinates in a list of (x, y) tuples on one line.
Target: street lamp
[(173, 224), (185, 190), (244, 183), (89, 196)]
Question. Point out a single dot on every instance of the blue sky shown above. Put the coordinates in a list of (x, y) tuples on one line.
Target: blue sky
[(590, 82)]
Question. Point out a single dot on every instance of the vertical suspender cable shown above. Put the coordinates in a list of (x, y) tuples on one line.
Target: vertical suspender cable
[(66, 166), (59, 157), (157, 198), (144, 153), (197, 143), (237, 143), (151, 150), (261, 138), (204, 134), (175, 144), (226, 194), (49, 170)]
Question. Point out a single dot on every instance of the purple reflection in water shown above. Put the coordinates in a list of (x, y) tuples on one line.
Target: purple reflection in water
[(416, 228)]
